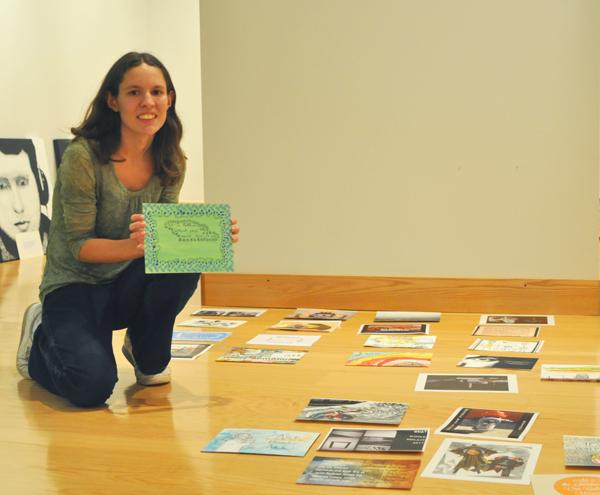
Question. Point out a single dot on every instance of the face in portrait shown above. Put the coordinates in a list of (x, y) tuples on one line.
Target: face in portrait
[(23, 192), (480, 362)]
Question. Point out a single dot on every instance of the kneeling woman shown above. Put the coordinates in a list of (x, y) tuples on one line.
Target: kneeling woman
[(125, 153)]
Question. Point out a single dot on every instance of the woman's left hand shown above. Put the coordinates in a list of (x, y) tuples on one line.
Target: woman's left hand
[(235, 230)]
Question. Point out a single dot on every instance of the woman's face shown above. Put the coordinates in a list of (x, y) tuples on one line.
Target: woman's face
[(142, 101), (19, 196)]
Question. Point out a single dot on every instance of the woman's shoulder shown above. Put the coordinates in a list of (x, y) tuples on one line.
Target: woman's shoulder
[(80, 147), (78, 158)]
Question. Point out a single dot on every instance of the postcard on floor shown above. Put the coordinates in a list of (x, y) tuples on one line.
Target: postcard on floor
[(276, 356), (230, 312), (488, 423), (506, 362), (207, 323), (446, 382), (375, 440), (255, 441), (389, 359), (507, 330), (188, 351), (187, 238), (426, 316), (581, 451), (306, 325), (377, 473), (320, 314), (506, 346), (565, 484), (479, 460), (291, 340), (395, 328), (200, 336), (353, 411), (516, 320), (410, 341), (571, 372)]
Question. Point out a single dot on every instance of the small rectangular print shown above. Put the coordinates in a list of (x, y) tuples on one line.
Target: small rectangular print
[(581, 451), (290, 340), (571, 372), (188, 351), (206, 323), (353, 411), (506, 362), (446, 382), (516, 320), (320, 314), (230, 312), (409, 341), (377, 473), (306, 325), (389, 359), (477, 460), (375, 440), (488, 423), (275, 356), (506, 346), (395, 328), (268, 442), (507, 330), (200, 336)]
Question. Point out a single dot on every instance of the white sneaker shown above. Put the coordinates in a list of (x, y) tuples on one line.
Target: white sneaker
[(31, 321), (158, 379)]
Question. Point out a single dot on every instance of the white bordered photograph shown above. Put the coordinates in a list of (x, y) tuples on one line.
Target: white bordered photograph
[(480, 460), (447, 382), (498, 424)]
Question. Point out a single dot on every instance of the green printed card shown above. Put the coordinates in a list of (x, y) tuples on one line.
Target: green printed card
[(187, 238)]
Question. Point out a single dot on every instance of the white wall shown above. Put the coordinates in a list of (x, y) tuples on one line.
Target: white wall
[(405, 137), (54, 54)]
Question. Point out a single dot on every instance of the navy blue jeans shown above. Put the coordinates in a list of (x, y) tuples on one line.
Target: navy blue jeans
[(72, 353)]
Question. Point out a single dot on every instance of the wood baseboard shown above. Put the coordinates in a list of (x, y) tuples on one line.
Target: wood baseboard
[(451, 295)]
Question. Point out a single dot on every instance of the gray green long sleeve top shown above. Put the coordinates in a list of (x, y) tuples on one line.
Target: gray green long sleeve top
[(91, 202)]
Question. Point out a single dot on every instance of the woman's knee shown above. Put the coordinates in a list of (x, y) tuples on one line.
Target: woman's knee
[(92, 391), (91, 384)]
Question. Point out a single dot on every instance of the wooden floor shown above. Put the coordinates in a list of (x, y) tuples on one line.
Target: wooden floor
[(148, 440)]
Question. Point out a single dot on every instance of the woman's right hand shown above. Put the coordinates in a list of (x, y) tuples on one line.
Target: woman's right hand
[(137, 229)]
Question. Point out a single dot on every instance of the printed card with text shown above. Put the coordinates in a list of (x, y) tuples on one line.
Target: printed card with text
[(377, 473)]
